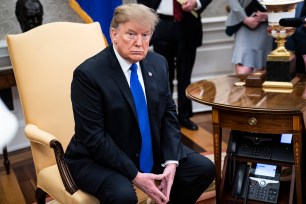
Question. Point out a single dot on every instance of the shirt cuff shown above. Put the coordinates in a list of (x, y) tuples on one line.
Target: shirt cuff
[(170, 162)]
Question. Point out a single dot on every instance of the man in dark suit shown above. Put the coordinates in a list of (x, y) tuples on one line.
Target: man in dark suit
[(104, 155), (300, 40), (177, 37), (297, 42)]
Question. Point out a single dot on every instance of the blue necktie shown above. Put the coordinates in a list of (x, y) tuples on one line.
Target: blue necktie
[(146, 154)]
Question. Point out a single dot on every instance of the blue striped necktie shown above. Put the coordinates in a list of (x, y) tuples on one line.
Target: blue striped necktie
[(146, 154)]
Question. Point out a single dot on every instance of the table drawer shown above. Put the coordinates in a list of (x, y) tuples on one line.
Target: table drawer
[(255, 122)]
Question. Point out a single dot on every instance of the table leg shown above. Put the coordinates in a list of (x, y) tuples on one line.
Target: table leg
[(297, 139), (217, 158), (217, 136), (6, 161)]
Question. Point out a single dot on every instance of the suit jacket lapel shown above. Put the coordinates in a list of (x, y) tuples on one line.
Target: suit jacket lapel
[(117, 74), (155, 4), (150, 82), (149, 78)]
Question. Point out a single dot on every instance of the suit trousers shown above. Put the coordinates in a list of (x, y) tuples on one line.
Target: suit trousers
[(193, 175), (168, 40)]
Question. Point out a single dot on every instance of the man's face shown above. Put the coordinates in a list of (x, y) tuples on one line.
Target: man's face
[(131, 41)]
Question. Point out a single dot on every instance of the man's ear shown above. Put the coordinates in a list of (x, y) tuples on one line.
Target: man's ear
[(113, 35)]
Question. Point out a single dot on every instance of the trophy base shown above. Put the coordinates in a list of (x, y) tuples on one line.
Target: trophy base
[(277, 90), (278, 85), (280, 69)]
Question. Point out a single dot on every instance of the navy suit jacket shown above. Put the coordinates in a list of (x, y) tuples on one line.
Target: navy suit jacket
[(297, 42), (106, 128), (192, 27)]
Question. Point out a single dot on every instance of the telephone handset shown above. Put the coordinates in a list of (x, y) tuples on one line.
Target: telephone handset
[(231, 152), (232, 148), (241, 180)]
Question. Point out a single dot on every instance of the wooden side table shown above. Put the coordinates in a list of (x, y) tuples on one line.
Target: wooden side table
[(7, 80), (253, 110)]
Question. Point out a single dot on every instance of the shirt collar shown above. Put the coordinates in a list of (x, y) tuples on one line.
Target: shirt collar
[(125, 65)]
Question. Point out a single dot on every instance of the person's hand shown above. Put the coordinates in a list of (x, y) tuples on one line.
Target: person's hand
[(146, 182), (252, 21), (189, 5), (261, 16), (166, 183)]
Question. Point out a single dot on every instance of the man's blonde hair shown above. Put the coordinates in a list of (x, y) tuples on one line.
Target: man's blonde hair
[(138, 13)]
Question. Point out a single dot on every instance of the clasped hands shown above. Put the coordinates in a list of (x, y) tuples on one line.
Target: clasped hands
[(160, 192), (254, 20)]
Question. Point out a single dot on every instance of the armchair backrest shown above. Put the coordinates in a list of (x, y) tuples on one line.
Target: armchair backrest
[(43, 60)]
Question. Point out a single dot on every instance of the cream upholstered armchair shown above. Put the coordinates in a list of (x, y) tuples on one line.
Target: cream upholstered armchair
[(43, 60)]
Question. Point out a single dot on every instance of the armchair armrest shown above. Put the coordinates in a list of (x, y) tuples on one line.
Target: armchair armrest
[(34, 134), (37, 135)]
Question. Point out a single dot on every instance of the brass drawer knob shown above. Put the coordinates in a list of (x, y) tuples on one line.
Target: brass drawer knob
[(252, 121)]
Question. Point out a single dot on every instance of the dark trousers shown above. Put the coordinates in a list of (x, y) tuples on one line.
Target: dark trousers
[(168, 40), (193, 175)]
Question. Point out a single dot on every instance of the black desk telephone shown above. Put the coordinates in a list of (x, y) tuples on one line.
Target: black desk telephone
[(277, 147), (259, 182)]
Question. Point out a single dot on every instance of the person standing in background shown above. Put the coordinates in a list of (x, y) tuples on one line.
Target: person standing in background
[(252, 43), (297, 42), (177, 37)]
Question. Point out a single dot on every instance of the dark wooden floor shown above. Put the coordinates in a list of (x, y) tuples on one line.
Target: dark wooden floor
[(20, 185)]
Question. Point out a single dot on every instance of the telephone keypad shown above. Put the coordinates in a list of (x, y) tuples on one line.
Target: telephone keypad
[(255, 151), (263, 191), (272, 195)]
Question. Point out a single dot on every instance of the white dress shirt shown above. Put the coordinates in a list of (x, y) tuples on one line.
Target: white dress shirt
[(166, 7)]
